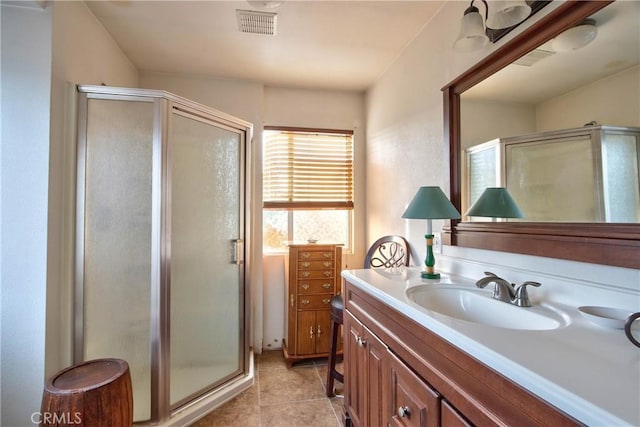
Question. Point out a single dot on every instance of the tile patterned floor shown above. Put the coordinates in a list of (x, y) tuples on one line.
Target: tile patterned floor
[(282, 397)]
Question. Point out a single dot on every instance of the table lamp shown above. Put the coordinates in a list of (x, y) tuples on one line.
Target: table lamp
[(495, 202), (430, 203)]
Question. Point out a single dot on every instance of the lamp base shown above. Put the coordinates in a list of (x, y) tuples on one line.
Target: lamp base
[(426, 275)]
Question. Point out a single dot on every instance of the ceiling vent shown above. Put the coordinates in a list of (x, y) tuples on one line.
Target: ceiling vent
[(250, 21), (533, 57)]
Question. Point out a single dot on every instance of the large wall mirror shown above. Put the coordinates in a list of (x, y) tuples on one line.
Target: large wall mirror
[(532, 88)]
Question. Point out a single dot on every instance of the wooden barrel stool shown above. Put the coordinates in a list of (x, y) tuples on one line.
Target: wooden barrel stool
[(96, 393), (337, 308)]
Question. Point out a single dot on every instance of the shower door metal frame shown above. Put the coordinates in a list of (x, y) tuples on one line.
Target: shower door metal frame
[(164, 106)]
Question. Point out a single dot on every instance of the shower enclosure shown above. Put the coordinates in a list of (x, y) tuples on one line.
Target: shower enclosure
[(160, 244)]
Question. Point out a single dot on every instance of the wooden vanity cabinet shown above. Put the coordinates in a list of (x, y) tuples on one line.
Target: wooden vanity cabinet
[(313, 277), (368, 361), (423, 380)]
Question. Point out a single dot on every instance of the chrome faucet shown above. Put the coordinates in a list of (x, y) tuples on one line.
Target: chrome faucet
[(507, 292)]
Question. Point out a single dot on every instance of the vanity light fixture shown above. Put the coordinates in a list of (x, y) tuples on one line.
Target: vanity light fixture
[(472, 31), (430, 203), (508, 13), (495, 202), (473, 34), (575, 37)]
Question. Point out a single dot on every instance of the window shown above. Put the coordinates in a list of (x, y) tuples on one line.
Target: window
[(307, 186)]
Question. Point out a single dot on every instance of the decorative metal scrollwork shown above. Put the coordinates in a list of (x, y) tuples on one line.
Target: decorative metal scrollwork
[(388, 255)]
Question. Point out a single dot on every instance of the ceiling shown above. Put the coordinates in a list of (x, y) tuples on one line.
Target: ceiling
[(342, 45)]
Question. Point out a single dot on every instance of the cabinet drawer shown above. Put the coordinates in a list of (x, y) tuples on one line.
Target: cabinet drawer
[(315, 265), (315, 286), (413, 402), (315, 274), (305, 255), (314, 302)]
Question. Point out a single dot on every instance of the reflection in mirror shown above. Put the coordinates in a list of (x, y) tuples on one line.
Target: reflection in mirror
[(524, 126)]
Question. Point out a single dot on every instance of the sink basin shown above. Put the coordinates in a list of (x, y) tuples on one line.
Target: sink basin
[(477, 306)]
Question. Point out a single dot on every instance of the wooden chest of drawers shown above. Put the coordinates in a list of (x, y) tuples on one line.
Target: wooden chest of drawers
[(313, 277)]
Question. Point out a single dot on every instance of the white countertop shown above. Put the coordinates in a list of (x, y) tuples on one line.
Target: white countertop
[(590, 372)]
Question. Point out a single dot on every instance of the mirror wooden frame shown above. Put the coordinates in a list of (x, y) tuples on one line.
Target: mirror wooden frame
[(598, 243)]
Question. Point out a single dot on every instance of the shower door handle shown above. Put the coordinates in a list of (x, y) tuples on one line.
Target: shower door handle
[(237, 251)]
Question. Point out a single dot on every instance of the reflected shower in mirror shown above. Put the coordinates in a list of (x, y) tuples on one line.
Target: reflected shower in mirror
[(560, 127)]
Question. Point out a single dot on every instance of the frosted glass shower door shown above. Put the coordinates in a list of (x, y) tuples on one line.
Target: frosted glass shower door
[(206, 292), (115, 266)]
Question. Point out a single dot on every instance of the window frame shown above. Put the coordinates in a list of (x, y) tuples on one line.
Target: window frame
[(348, 246)]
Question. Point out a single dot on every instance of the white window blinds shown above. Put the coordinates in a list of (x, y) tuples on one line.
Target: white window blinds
[(307, 169)]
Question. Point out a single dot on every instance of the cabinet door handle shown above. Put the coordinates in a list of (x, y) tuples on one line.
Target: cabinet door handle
[(305, 301), (319, 330), (360, 341), (404, 412), (326, 285), (306, 254), (291, 299), (305, 286), (311, 331), (326, 301)]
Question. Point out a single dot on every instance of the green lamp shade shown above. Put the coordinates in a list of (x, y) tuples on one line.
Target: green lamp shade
[(430, 203), (495, 202)]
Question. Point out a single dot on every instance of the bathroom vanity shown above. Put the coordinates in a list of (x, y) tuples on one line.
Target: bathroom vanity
[(410, 365)]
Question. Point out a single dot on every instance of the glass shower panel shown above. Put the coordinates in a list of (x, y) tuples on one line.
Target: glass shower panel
[(205, 286), (621, 180), (117, 237), (564, 165)]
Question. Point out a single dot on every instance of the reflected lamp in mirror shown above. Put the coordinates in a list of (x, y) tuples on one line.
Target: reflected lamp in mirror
[(495, 202), (430, 203), (504, 14), (575, 37)]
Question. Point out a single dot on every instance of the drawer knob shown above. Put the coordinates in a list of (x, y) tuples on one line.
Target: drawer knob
[(306, 274), (327, 273), (306, 254), (305, 301), (326, 301), (305, 286), (327, 254), (404, 412), (306, 264), (327, 264), (326, 285)]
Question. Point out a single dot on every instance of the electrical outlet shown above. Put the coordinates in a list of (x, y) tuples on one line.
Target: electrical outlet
[(437, 243)]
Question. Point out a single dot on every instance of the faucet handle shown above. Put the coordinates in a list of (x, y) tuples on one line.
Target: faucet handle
[(522, 296)]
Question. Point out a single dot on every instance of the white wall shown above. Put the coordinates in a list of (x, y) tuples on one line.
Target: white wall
[(405, 150), (614, 101), (26, 87), (486, 120)]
